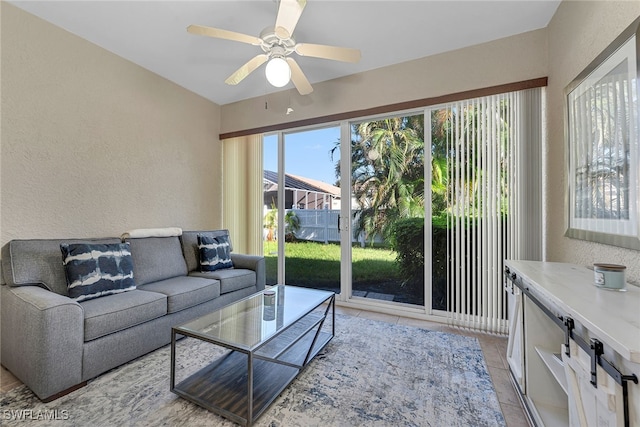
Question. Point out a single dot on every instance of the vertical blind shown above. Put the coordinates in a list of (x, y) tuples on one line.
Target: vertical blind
[(494, 198), (242, 192)]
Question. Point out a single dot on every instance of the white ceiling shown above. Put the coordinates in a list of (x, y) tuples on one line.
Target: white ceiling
[(153, 34)]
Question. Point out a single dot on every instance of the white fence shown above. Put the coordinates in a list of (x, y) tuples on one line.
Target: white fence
[(318, 225), (321, 225)]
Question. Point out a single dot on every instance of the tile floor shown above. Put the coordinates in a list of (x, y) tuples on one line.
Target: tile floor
[(7, 380), (494, 348)]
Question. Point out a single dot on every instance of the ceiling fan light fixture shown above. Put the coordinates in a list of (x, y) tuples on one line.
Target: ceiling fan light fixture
[(278, 44), (278, 72)]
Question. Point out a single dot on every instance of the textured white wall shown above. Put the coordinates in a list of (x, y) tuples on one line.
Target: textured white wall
[(578, 32), (93, 145), (507, 60), (1, 276)]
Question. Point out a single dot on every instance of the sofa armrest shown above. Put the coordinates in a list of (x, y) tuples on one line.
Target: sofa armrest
[(252, 262), (42, 335)]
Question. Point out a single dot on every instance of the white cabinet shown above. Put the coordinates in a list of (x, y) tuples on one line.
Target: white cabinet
[(546, 398), (552, 305), (515, 346)]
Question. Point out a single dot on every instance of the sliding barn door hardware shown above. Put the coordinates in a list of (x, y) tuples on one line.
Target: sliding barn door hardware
[(568, 327), (596, 349)]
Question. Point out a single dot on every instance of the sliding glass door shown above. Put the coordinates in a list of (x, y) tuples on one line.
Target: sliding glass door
[(388, 210), (367, 209), (332, 212), (302, 204), (270, 207)]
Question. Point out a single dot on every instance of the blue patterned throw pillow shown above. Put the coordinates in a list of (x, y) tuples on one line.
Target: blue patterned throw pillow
[(95, 270), (215, 253)]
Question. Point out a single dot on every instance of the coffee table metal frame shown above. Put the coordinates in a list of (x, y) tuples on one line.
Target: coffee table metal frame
[(242, 384)]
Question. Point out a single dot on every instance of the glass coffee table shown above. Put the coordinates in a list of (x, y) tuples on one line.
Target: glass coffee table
[(264, 341)]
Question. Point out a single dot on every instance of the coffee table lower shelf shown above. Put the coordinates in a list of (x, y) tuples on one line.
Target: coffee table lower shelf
[(222, 386)]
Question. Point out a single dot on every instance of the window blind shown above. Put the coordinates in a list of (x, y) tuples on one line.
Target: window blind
[(242, 192), (494, 201)]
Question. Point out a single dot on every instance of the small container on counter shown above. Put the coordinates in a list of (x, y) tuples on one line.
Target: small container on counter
[(610, 276)]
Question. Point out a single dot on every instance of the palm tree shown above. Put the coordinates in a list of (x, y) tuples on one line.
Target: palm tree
[(388, 172), (459, 157), (271, 222), (292, 225)]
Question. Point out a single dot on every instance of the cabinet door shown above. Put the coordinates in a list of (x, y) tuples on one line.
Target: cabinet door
[(591, 406), (515, 346)]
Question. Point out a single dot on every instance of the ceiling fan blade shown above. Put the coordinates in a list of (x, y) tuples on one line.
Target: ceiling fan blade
[(344, 54), (297, 76), (246, 69), (201, 30), (288, 15)]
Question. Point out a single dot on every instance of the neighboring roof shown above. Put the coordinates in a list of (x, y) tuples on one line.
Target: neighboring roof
[(296, 182)]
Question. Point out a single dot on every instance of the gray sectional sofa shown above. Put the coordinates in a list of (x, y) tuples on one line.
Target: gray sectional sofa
[(54, 343)]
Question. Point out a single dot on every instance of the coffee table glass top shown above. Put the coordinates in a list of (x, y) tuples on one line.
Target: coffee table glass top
[(251, 321)]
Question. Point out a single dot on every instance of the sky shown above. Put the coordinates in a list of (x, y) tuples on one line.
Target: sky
[(306, 153)]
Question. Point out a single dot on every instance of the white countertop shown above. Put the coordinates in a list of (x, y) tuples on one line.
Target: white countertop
[(612, 316)]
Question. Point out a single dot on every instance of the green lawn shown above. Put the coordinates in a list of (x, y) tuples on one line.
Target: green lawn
[(318, 265)]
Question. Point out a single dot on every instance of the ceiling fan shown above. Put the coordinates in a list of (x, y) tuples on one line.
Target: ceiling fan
[(278, 44)]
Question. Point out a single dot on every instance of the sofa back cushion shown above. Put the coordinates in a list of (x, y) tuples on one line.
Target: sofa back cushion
[(39, 262), (157, 258), (190, 246)]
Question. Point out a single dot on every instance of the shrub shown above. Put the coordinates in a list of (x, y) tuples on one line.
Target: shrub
[(408, 242)]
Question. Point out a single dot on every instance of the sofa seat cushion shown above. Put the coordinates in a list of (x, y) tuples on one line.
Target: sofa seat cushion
[(231, 279), (113, 313), (185, 291)]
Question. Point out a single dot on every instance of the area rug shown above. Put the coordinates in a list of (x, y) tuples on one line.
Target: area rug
[(371, 374)]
